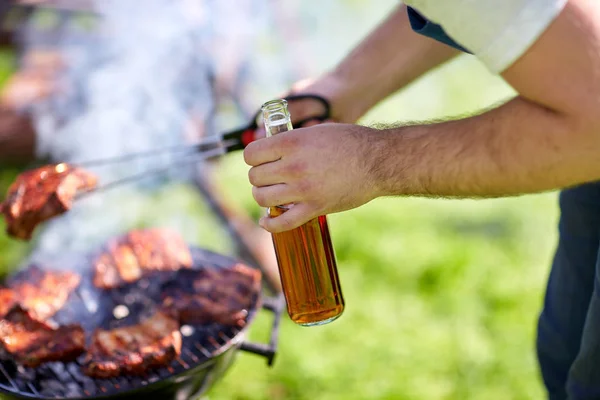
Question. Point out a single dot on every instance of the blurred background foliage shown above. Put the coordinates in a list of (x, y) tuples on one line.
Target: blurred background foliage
[(442, 295)]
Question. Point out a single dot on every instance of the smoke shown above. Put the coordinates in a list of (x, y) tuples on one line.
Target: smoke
[(145, 77), (150, 74)]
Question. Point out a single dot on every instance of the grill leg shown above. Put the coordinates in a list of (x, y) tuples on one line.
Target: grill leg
[(254, 244)]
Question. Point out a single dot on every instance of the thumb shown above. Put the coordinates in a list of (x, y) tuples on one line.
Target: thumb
[(314, 122), (296, 216), (260, 133)]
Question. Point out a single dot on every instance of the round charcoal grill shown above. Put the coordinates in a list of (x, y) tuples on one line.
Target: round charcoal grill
[(207, 350)]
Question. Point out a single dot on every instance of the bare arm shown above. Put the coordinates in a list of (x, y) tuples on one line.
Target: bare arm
[(547, 138), (388, 59)]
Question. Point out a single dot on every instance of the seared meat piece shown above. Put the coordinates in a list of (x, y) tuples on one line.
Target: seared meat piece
[(41, 292), (138, 253), (40, 194), (31, 342), (133, 350), (221, 295)]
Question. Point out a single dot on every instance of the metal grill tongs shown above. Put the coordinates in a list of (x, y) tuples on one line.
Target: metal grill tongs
[(204, 150)]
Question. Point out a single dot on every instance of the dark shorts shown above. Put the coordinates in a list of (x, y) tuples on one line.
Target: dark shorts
[(568, 341)]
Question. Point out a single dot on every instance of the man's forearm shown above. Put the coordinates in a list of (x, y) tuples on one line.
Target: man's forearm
[(547, 138), (391, 57), (519, 147)]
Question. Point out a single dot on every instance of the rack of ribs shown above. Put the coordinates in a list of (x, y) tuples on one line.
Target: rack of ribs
[(138, 253), (132, 350), (41, 194), (221, 295), (31, 342), (42, 293)]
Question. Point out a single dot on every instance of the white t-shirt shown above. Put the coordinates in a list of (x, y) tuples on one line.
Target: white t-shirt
[(498, 32)]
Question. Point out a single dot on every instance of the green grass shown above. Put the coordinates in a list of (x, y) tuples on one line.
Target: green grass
[(442, 296)]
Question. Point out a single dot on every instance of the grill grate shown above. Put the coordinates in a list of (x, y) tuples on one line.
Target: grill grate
[(200, 343)]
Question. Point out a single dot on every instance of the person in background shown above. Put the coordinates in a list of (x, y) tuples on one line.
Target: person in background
[(547, 137), (33, 82)]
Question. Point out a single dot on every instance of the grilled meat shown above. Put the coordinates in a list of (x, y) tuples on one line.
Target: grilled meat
[(31, 342), (138, 253), (43, 293), (41, 194), (133, 350), (221, 295)]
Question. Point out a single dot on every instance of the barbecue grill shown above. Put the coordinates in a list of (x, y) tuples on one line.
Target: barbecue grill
[(207, 350)]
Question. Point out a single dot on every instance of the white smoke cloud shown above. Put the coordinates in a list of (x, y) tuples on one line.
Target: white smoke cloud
[(144, 78)]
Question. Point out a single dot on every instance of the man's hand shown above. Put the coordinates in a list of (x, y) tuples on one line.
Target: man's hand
[(546, 138), (321, 170)]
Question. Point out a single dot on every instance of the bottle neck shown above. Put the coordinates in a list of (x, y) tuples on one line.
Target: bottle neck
[(276, 117), (277, 120)]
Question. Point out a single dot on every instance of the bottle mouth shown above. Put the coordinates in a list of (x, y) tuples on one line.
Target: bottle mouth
[(275, 113), (274, 105)]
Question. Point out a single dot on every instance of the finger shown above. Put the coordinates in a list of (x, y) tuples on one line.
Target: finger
[(261, 151), (313, 122), (274, 195), (302, 84), (310, 123), (304, 108), (266, 174), (260, 133), (296, 216)]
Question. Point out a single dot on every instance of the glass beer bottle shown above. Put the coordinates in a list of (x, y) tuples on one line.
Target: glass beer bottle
[(305, 255)]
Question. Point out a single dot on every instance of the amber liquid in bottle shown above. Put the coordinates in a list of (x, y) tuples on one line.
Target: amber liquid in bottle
[(308, 271), (305, 255)]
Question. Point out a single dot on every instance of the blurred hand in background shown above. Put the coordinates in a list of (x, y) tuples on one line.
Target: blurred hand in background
[(35, 81)]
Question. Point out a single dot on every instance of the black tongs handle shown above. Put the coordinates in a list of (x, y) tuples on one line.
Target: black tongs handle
[(216, 146), (241, 138)]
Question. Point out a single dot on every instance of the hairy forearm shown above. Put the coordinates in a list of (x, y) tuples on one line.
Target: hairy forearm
[(517, 148), (388, 59), (547, 138)]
